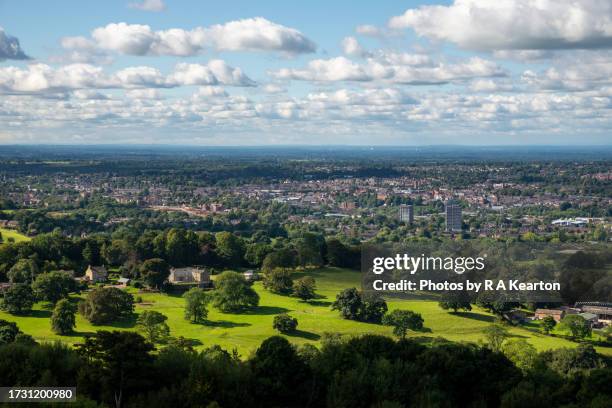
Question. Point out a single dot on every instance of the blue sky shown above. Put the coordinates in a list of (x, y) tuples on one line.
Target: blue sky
[(275, 72)]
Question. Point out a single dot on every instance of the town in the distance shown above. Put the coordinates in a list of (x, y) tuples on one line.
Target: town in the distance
[(227, 251)]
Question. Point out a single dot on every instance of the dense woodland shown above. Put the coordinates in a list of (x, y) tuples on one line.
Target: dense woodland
[(122, 369)]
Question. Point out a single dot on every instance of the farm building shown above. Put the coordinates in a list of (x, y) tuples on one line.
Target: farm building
[(96, 274)]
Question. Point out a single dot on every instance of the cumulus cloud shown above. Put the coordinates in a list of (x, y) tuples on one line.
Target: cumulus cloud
[(386, 113), (206, 92), (580, 76), (253, 34), (214, 73), (514, 24), (89, 94), (351, 47), (43, 79), (81, 50), (148, 5), (10, 47), (392, 67)]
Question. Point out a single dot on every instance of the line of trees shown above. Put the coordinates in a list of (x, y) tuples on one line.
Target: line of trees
[(122, 369), (128, 251)]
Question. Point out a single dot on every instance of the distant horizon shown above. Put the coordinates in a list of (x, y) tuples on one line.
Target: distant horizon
[(264, 146)]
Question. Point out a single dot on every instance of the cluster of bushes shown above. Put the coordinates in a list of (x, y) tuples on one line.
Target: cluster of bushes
[(122, 368), (279, 280)]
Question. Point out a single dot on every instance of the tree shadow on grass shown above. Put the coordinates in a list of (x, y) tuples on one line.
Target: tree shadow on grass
[(40, 314), (475, 316), (225, 324), (266, 310), (322, 303), (304, 334), (79, 334), (126, 323)]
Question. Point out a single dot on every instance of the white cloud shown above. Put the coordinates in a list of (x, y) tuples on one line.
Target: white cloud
[(388, 114), (10, 47), (514, 24), (214, 73), (89, 94), (258, 34), (489, 85), (351, 47), (253, 34), (140, 77), (81, 50), (581, 76), (131, 39), (333, 69), (391, 67), (148, 5), (206, 92), (43, 79)]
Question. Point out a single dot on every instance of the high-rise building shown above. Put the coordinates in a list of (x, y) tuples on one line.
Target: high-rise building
[(453, 216), (406, 213)]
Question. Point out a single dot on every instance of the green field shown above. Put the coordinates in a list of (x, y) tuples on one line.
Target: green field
[(7, 233), (246, 331)]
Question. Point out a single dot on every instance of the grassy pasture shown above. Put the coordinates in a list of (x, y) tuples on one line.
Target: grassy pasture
[(246, 331)]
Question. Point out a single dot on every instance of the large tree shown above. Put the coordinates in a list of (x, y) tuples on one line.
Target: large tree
[(182, 247), (309, 249), (455, 301), (105, 305), (153, 325), (495, 335), (53, 286), (24, 271), (8, 332), (349, 303), (304, 288), (280, 258), (230, 248), (402, 321), (233, 293), (196, 300), (155, 272), (578, 326), (116, 252), (278, 280), (63, 318), (284, 323), (124, 359), (18, 299), (354, 305)]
